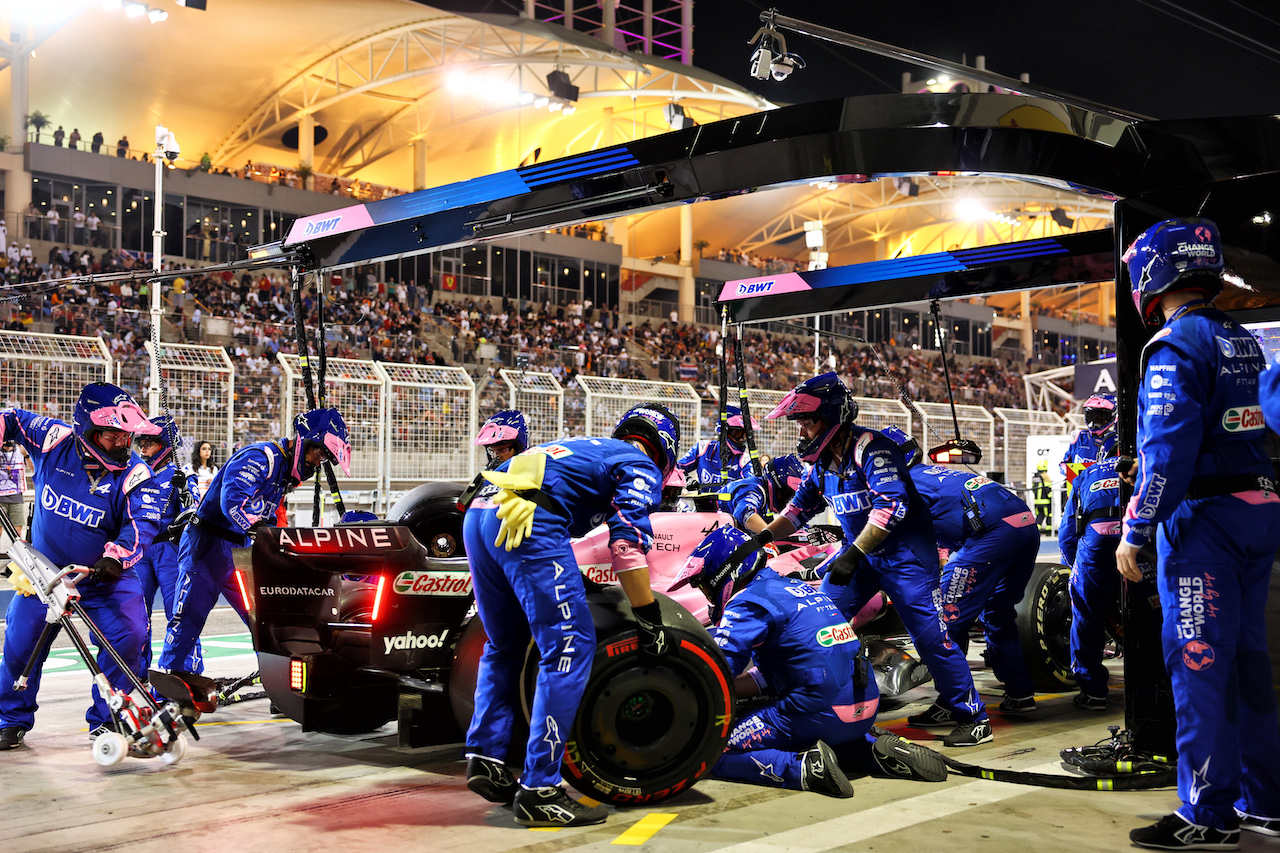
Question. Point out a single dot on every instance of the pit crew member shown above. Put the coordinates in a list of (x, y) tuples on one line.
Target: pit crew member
[(808, 660), (98, 506), (752, 498), (527, 583), (1087, 538), (503, 435), (158, 568), (1204, 492), (244, 494), (993, 542), (889, 539), (701, 462), (1096, 440)]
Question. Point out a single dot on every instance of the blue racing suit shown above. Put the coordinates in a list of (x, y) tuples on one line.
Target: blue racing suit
[(79, 519), (244, 493), (158, 568), (1200, 457), (747, 497), (1087, 448), (1088, 537), (871, 487), (536, 590), (993, 539), (701, 465), (805, 652)]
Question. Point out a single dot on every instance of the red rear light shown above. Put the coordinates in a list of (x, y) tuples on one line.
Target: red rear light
[(377, 598), (244, 595), (297, 675)]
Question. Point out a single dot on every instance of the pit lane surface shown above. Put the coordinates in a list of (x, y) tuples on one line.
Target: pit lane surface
[(258, 783)]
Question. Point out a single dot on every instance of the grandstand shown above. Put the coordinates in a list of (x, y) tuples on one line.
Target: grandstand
[(630, 298)]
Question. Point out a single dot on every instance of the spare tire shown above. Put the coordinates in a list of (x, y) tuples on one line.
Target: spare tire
[(431, 513), (643, 732), (1044, 628)]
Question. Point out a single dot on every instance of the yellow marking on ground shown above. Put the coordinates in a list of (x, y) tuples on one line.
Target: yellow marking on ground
[(644, 829), (544, 829)]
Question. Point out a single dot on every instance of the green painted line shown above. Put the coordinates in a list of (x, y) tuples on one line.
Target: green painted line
[(222, 646)]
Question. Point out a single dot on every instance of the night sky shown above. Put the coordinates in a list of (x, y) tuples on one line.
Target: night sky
[(1161, 58)]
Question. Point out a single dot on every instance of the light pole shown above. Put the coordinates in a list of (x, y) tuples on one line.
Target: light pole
[(167, 149)]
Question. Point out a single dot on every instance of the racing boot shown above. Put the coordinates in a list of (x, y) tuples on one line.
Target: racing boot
[(972, 733), (903, 759), (820, 772), (491, 779), (11, 737), (552, 806), (1174, 832), (935, 717)]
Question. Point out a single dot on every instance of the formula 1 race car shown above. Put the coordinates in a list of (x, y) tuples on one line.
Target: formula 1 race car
[(357, 625)]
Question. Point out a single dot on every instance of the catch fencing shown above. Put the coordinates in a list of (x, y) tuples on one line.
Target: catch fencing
[(199, 382)]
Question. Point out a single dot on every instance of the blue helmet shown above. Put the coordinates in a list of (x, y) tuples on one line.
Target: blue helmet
[(909, 446), (654, 426), (506, 426), (722, 563), (736, 429), (1100, 413), (168, 438), (323, 428), (1171, 256), (101, 407), (782, 476), (824, 397)]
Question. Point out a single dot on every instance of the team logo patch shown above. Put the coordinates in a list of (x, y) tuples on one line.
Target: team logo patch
[(834, 635), (1243, 419), (1198, 655)]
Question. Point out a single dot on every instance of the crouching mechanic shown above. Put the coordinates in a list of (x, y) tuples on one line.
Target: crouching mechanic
[(1087, 538), (751, 498), (158, 568), (527, 583), (806, 657), (993, 541), (889, 539), (244, 494), (96, 505)]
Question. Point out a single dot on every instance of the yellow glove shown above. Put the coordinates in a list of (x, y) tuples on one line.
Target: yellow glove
[(516, 513), (19, 581)]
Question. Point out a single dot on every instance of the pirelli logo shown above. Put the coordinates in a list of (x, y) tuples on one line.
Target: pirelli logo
[(622, 647)]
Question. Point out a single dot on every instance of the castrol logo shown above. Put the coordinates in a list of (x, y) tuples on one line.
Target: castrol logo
[(1243, 419), (834, 635), (433, 583)]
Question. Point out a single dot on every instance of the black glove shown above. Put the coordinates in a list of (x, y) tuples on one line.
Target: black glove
[(807, 574), (655, 638), (840, 570), (1124, 465), (107, 569)]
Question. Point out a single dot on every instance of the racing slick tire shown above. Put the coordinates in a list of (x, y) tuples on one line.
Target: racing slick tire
[(1044, 628), (645, 730), (431, 513)]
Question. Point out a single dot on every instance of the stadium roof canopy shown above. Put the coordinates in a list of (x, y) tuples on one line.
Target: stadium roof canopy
[(382, 77)]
